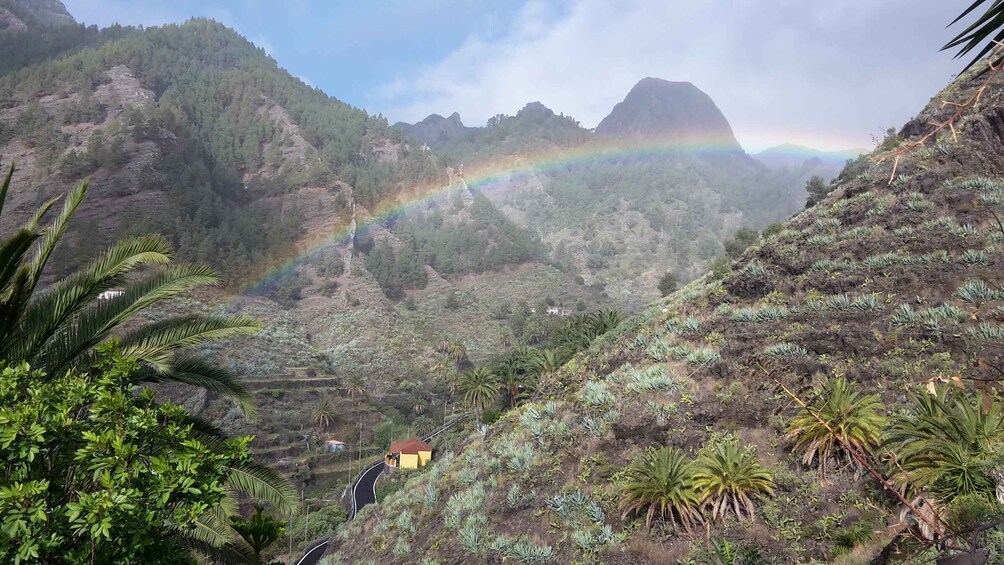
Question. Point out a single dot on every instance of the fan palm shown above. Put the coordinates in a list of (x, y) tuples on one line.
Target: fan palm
[(839, 417), (729, 477), (662, 481), (988, 26), (58, 328), (479, 387), (947, 445)]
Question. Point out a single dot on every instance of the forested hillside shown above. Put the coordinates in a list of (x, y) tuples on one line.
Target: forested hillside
[(825, 398), (193, 132)]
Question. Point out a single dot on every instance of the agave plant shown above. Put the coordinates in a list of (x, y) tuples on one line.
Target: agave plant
[(59, 328), (661, 483), (948, 445), (838, 418), (729, 477)]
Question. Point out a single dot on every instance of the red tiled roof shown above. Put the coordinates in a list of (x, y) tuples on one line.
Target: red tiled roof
[(410, 446)]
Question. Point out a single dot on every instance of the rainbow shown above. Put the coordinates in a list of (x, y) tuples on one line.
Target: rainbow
[(488, 176)]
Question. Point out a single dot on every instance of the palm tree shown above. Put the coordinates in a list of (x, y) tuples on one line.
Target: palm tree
[(543, 362), (991, 23), (947, 445), (839, 418), (729, 477), (516, 376), (422, 425), (58, 328), (454, 349), (355, 386), (662, 481), (479, 388), (324, 414)]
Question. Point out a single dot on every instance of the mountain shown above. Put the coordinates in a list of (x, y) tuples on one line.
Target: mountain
[(345, 239), (435, 130), (791, 156), (669, 112), (19, 15), (644, 173), (894, 286)]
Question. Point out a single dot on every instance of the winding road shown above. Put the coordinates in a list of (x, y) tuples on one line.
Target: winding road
[(363, 493)]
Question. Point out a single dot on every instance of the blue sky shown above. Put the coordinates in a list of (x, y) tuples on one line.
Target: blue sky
[(824, 74)]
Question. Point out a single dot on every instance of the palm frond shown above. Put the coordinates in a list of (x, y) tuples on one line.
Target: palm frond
[(70, 333), (152, 343), (55, 232), (203, 374), (232, 553), (12, 254), (988, 26), (261, 482), (5, 186)]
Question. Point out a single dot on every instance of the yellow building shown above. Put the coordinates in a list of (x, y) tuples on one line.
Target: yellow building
[(409, 454)]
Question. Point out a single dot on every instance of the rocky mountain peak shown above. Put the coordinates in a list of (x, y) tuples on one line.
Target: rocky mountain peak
[(22, 14), (435, 130), (670, 111), (535, 111)]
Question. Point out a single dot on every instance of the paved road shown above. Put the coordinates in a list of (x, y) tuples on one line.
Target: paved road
[(363, 493)]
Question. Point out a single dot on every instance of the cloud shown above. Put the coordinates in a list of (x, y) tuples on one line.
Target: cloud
[(827, 74)]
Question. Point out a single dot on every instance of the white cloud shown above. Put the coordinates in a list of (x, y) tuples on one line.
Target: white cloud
[(826, 74)]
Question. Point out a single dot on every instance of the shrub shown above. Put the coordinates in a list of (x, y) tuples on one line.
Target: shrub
[(472, 538), (839, 416), (988, 332), (838, 303)]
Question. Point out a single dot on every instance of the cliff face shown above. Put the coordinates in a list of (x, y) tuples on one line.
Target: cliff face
[(674, 112), (22, 14)]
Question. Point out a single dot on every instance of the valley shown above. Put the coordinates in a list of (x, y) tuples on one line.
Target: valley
[(642, 330)]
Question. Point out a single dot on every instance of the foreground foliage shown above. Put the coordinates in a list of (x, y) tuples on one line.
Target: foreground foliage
[(94, 473)]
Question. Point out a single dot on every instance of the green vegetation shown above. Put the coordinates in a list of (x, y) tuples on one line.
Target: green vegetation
[(97, 472), (838, 420), (662, 481)]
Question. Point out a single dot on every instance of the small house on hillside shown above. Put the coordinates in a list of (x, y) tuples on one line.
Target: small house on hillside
[(409, 454), (334, 446)]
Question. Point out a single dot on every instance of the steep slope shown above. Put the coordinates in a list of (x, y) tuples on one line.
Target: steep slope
[(888, 283), (670, 112)]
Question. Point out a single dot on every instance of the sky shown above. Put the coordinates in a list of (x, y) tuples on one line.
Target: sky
[(829, 75)]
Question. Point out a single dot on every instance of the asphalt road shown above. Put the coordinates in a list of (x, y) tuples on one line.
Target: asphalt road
[(363, 493)]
